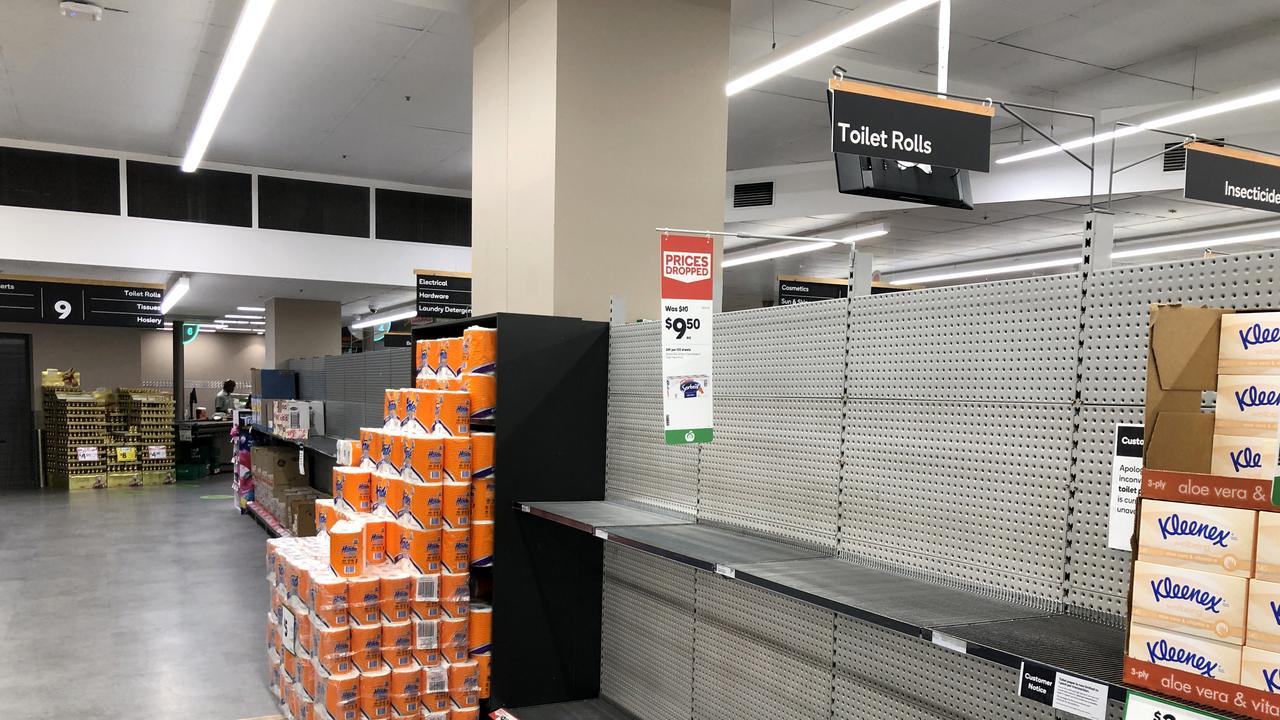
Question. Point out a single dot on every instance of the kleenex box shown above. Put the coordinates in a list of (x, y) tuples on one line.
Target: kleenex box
[(1248, 406), (1260, 669), (1194, 602), (1198, 537), (1264, 615), (1244, 457), (1210, 658), (1249, 344), (1266, 557)]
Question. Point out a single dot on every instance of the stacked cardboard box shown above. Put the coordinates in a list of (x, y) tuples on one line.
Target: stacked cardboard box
[(75, 438), (281, 489), (148, 415)]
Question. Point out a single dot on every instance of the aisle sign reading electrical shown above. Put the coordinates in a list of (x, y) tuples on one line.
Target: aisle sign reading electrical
[(76, 302), (912, 127), (687, 291), (443, 294), (1230, 176)]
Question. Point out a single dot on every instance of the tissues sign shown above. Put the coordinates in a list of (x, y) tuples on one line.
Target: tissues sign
[(884, 122)]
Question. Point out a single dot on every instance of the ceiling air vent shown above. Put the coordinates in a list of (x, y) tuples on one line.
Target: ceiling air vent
[(748, 195), (1175, 157)]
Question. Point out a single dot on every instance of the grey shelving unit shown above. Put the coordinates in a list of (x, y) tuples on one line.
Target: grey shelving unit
[(931, 470)]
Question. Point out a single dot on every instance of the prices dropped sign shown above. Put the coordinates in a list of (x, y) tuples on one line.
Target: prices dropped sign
[(687, 289)]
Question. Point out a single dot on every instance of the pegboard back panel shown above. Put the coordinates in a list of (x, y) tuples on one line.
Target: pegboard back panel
[(1097, 576), (639, 465), (635, 359), (883, 675), (1008, 341), (975, 493), (784, 351), (1117, 310), (759, 656), (774, 467), (646, 664)]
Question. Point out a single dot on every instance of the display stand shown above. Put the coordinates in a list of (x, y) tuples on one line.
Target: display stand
[(550, 433)]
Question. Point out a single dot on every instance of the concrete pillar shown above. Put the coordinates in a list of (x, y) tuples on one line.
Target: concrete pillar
[(302, 328), (594, 121)]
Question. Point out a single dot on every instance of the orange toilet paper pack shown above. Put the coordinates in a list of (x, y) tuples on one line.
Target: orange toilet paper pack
[(346, 549), (352, 489), (483, 393), (482, 543), (456, 505), (480, 350), (423, 459), (457, 459)]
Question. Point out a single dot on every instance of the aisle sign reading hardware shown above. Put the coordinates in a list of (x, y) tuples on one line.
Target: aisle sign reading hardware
[(1126, 482), (77, 302), (884, 122), (1146, 707), (687, 291), (1230, 176), (444, 295)]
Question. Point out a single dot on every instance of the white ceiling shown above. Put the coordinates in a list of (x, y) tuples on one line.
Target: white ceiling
[(324, 92), (212, 295), (936, 238), (1083, 55)]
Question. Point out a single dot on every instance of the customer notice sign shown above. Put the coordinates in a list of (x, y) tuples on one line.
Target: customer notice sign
[(687, 289), (1231, 176), (62, 301), (913, 127), (444, 295)]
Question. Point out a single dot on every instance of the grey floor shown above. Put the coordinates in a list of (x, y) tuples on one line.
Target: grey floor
[(143, 603)]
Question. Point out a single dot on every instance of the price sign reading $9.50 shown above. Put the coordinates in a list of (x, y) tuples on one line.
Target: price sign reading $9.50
[(683, 327)]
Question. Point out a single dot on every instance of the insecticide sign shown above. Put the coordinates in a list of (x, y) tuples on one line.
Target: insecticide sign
[(687, 284)]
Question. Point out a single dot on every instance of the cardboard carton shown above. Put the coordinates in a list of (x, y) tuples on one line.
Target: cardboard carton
[(1264, 615), (1182, 363), (1249, 344), (1197, 537), (1168, 648), (1260, 669), (1193, 602)]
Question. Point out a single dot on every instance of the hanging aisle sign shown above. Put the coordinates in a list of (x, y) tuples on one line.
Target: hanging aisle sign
[(884, 122), (794, 289), (1231, 176), (79, 302), (443, 294), (687, 285)]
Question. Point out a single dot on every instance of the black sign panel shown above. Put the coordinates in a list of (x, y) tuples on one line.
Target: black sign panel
[(66, 303), (443, 295), (1036, 681), (792, 290), (879, 122), (1129, 441), (1230, 177)]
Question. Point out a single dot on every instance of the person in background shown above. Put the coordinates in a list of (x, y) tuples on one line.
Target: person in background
[(223, 403)]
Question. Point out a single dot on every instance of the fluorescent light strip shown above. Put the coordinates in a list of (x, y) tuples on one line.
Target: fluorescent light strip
[(236, 322), (777, 252), (983, 272), (247, 308), (174, 294), (1195, 245), (247, 317), (387, 317), (781, 251), (248, 29), (240, 329), (1261, 98), (826, 44)]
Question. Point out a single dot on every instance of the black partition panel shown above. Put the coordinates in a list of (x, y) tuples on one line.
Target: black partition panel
[(313, 207), (547, 579), (164, 192), (423, 217), (59, 181)]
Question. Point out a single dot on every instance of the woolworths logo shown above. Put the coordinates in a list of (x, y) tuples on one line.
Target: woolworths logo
[(683, 437)]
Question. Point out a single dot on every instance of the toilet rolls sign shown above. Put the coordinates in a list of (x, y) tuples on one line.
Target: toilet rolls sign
[(687, 286), (884, 122), (77, 302), (1231, 176)]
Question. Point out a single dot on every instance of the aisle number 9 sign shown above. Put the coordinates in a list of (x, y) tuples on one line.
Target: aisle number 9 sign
[(70, 302)]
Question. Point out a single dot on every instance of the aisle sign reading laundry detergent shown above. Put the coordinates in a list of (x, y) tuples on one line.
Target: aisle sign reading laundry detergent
[(687, 284)]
